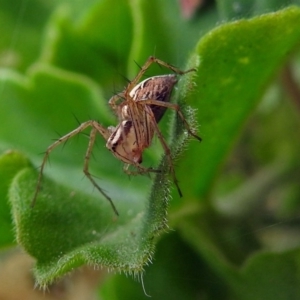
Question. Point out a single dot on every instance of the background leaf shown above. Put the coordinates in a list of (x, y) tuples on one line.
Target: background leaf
[(242, 61)]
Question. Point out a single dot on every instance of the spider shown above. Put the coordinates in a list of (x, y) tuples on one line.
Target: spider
[(139, 108)]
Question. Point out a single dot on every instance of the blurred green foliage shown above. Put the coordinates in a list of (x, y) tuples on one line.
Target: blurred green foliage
[(236, 230)]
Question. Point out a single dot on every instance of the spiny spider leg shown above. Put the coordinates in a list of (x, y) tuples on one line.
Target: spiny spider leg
[(153, 124), (176, 107), (140, 170), (123, 95), (168, 154), (88, 153), (147, 64), (113, 102), (96, 127)]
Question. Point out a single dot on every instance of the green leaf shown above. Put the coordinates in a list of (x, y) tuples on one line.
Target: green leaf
[(231, 9), (109, 41), (146, 41), (264, 275), (165, 279), (68, 226), (237, 62), (268, 276), (235, 9), (22, 26), (11, 162), (101, 37), (36, 119)]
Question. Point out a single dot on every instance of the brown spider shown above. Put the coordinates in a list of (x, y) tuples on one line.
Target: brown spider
[(139, 109)]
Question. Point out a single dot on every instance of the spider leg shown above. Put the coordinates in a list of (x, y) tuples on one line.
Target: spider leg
[(96, 127), (86, 167), (145, 67), (175, 107), (113, 102), (61, 140), (168, 154), (154, 125), (139, 169)]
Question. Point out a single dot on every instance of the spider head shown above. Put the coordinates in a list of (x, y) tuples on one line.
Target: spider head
[(123, 143)]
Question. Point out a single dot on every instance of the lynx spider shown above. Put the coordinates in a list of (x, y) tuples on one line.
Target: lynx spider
[(139, 107)]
